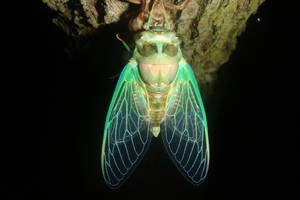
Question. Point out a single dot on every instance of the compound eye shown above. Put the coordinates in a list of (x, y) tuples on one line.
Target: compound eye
[(170, 50), (147, 49)]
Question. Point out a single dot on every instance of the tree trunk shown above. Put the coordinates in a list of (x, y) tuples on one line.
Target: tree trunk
[(208, 28)]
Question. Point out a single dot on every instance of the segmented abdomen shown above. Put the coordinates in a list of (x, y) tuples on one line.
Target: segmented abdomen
[(157, 103)]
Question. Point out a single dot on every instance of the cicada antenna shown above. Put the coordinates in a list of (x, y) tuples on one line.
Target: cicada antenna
[(123, 42)]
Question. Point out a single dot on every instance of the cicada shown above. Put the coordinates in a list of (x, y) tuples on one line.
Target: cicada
[(156, 94)]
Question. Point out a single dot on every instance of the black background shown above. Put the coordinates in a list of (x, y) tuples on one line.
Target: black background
[(240, 114)]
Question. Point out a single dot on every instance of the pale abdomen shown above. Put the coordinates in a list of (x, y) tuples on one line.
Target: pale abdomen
[(157, 104), (158, 78)]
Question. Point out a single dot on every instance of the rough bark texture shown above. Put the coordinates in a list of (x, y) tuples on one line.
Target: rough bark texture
[(208, 28), (75, 17)]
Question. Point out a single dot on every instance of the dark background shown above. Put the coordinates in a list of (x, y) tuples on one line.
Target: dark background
[(240, 114)]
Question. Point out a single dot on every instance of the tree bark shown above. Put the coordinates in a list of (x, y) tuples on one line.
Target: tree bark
[(208, 28)]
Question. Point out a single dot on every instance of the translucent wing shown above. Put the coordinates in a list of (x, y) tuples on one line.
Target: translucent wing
[(126, 133), (184, 130)]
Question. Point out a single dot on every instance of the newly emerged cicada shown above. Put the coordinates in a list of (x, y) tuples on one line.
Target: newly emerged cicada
[(157, 94)]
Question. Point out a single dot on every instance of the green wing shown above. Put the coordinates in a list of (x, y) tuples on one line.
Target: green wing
[(126, 133), (184, 130)]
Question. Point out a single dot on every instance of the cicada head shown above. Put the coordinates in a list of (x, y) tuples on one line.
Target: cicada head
[(158, 53)]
